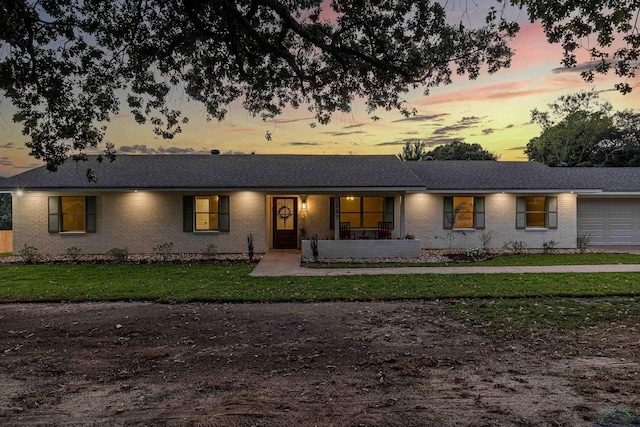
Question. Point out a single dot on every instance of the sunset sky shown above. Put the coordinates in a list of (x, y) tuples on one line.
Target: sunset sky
[(493, 110)]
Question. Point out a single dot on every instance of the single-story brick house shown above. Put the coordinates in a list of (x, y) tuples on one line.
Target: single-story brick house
[(140, 202)]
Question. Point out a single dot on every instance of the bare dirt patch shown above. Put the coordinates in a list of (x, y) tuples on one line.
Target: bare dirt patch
[(361, 363)]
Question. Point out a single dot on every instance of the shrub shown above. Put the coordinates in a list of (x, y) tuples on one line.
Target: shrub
[(410, 236), (250, 246), (211, 250), (314, 248), (29, 254), (118, 254), (515, 246), (476, 254), (74, 252), (583, 241), (163, 248), (548, 246), (485, 240)]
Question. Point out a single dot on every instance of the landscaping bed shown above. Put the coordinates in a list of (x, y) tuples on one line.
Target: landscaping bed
[(445, 257), (131, 259)]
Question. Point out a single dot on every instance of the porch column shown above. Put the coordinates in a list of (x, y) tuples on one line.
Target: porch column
[(402, 217), (336, 217)]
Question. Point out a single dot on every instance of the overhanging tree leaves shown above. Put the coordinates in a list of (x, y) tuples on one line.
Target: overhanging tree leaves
[(606, 29), (68, 62), (68, 65)]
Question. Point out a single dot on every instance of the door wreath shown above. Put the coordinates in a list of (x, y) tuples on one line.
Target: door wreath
[(284, 212)]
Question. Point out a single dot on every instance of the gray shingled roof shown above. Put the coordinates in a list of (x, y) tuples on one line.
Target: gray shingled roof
[(443, 175), (226, 171), (624, 179), (315, 172)]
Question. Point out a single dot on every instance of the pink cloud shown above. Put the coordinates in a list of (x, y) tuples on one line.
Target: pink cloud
[(283, 121), (239, 130), (120, 116), (507, 90)]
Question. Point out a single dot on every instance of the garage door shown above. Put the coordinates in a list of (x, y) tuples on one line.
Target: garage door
[(610, 221)]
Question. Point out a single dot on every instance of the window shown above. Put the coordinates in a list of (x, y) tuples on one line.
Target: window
[(205, 213), (69, 214), (536, 212), (363, 212), (463, 212)]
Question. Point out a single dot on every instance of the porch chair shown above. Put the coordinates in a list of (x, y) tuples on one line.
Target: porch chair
[(345, 231), (384, 230)]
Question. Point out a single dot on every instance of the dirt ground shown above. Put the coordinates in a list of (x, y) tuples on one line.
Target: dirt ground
[(327, 364)]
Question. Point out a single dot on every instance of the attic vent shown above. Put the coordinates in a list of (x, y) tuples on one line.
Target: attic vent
[(215, 152)]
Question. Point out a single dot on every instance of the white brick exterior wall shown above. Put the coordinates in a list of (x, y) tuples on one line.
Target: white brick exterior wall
[(138, 221), (424, 219), (142, 220), (316, 219)]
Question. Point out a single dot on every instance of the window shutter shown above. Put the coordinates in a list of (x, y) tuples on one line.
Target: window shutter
[(187, 214), (223, 213), (90, 214), (54, 214), (478, 213), (388, 210), (552, 212), (448, 213), (332, 213), (521, 212)]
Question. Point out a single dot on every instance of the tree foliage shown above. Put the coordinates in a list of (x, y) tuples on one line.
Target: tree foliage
[(579, 130), (413, 150), (458, 150), (68, 62), (68, 66), (606, 29), (623, 146)]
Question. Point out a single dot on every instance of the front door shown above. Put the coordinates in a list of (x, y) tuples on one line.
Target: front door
[(285, 222)]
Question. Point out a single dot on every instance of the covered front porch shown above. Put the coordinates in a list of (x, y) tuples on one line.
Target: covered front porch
[(355, 224)]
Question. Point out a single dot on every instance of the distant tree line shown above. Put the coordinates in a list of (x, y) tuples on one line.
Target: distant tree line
[(581, 130), (456, 150)]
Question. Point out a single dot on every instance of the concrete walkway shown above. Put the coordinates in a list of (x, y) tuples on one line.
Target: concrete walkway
[(287, 263)]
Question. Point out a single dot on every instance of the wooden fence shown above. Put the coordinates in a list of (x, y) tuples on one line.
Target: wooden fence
[(6, 241)]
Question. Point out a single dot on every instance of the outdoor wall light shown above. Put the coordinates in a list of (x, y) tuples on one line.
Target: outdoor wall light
[(19, 193), (304, 203)]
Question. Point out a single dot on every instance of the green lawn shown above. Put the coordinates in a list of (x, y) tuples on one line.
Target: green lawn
[(214, 282), (503, 304), (506, 260)]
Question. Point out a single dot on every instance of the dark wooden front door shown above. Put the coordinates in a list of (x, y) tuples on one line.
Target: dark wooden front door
[(285, 222)]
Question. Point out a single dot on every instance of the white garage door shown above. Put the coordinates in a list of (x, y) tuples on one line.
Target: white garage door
[(610, 221)]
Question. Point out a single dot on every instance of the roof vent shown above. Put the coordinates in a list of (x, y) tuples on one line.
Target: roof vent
[(215, 152)]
